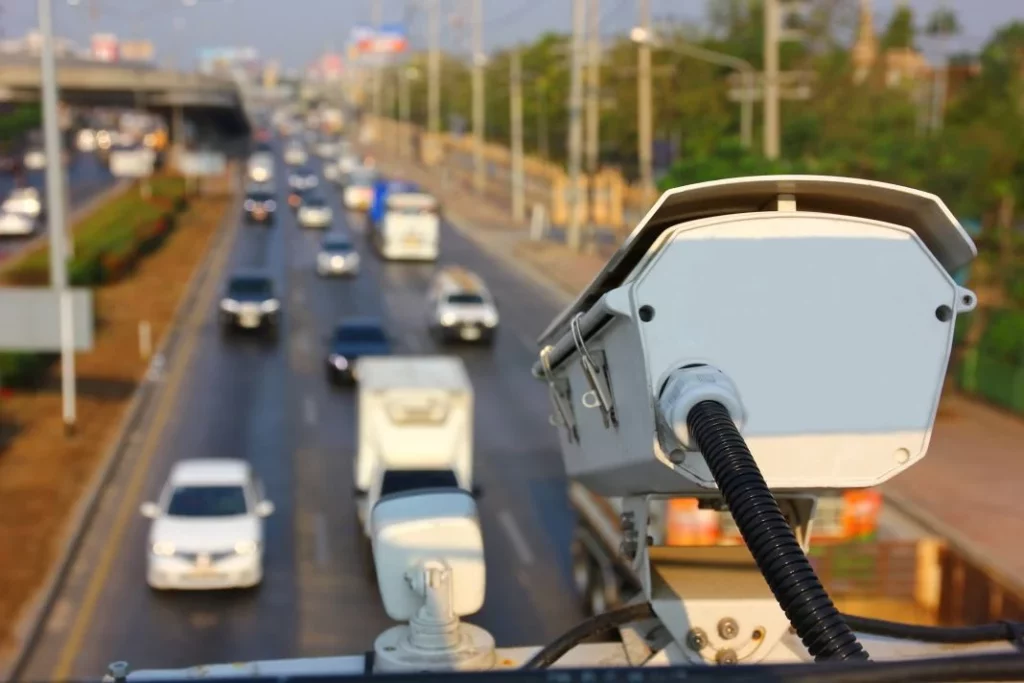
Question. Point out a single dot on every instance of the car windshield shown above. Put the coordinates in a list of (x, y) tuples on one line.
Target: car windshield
[(207, 501), (249, 286), (359, 333), (316, 202), (338, 245), (363, 177), (398, 481), (465, 299), (260, 196)]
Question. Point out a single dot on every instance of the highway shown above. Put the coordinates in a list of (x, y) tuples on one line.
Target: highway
[(270, 404), (87, 176)]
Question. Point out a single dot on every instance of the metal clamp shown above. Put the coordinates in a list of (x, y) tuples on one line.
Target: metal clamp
[(563, 419), (598, 394)]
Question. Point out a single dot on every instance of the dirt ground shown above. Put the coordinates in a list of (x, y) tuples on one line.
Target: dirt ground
[(43, 473)]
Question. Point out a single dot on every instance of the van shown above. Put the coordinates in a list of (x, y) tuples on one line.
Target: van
[(460, 307)]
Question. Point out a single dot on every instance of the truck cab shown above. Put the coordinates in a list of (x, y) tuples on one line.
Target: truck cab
[(415, 427)]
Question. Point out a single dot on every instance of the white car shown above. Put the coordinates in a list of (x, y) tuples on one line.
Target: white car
[(35, 160), (25, 201), (207, 530), (331, 171), (314, 213), (295, 155), (16, 224)]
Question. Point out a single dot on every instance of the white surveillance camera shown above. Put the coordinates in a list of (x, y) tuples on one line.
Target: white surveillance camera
[(818, 310), (418, 527)]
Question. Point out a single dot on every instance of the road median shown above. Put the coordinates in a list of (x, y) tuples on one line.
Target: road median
[(49, 484)]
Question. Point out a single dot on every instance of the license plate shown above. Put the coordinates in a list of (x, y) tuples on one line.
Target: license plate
[(250, 320), (259, 213), (470, 333), (411, 241)]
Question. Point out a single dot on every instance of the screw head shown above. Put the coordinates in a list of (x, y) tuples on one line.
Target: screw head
[(728, 628), (726, 657), (697, 639)]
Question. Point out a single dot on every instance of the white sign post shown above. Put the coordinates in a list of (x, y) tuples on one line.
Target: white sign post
[(134, 163)]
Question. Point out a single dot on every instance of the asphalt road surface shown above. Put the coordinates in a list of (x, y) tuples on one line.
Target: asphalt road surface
[(87, 176), (270, 404)]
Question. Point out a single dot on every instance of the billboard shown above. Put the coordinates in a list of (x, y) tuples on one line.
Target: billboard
[(389, 39), (31, 318), (202, 163), (331, 66), (104, 47), (137, 51)]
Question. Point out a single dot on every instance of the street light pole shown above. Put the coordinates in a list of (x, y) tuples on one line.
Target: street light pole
[(772, 27), (593, 84), (55, 209), (574, 235), (644, 104), (434, 69), (478, 96), (378, 83), (516, 116)]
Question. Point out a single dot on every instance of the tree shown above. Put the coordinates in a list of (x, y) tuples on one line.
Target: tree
[(900, 31)]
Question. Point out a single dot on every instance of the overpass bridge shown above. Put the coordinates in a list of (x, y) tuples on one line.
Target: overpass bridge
[(205, 100)]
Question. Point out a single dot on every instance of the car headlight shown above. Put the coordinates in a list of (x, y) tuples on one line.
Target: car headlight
[(338, 361), (449, 319), (247, 547), (229, 305), (163, 549), (270, 205), (490, 318), (270, 305), (249, 205)]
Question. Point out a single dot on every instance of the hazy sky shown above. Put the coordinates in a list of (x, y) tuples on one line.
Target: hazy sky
[(295, 31)]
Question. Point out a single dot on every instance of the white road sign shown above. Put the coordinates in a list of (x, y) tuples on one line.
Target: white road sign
[(132, 163)]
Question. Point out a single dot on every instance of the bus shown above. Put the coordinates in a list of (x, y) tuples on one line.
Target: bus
[(404, 222)]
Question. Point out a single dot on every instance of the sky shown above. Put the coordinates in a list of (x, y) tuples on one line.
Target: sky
[(296, 31)]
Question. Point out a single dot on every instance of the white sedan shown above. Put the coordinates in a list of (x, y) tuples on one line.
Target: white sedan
[(207, 530), (16, 224), (24, 201), (315, 214)]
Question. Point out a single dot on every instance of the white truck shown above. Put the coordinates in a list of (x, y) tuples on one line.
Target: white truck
[(415, 427)]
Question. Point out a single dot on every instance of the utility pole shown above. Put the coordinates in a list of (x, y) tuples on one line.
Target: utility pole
[(644, 103), (479, 176), (593, 84), (56, 215), (434, 69), (516, 118), (576, 123), (772, 27), (403, 108), (377, 81)]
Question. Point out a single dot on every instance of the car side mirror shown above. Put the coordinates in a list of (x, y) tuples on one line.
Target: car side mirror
[(264, 508), (477, 491), (150, 510)]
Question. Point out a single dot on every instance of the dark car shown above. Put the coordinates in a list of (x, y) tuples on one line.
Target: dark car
[(260, 207), (351, 340), (249, 303)]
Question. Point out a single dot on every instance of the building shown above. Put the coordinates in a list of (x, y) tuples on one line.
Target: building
[(897, 66)]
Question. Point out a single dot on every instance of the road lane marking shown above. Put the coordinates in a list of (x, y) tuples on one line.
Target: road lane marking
[(132, 492), (321, 544), (298, 295), (309, 410), (522, 548)]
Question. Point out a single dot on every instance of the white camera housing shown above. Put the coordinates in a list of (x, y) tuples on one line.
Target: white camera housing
[(410, 529), (827, 303)]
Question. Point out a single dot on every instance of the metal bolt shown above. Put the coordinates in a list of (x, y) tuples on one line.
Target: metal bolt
[(696, 639), (726, 657), (118, 671), (728, 628)]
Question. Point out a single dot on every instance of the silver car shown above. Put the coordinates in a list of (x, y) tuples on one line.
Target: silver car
[(337, 256)]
